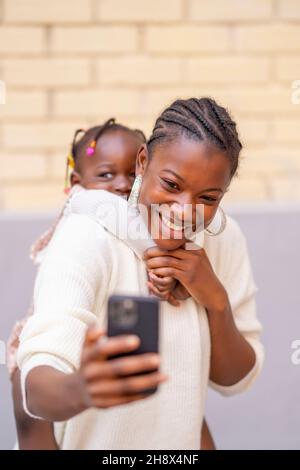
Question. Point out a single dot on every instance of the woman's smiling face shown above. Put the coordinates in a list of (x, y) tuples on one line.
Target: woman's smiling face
[(180, 173)]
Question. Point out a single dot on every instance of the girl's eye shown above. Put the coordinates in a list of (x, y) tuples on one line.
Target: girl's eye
[(132, 175), (106, 175), (170, 184)]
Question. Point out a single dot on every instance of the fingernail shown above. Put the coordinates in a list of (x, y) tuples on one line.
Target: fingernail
[(155, 361), (132, 340)]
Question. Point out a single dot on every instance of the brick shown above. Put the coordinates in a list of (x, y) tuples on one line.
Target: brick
[(3, 92), (245, 190), (94, 39), (55, 11), (100, 104), (287, 158), (263, 100), (139, 71), (289, 9), (143, 123), (252, 131), (40, 197), (266, 166), (46, 72), (48, 135), (287, 68), (154, 101), (21, 40), (22, 167), (137, 11), (190, 39), (287, 130), (268, 37), (24, 104), (57, 166), (229, 10), (227, 69), (285, 188)]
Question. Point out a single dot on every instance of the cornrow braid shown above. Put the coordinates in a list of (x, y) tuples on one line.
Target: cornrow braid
[(201, 119)]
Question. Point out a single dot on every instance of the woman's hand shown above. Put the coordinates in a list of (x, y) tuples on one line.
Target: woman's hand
[(108, 382), (193, 270), (100, 382)]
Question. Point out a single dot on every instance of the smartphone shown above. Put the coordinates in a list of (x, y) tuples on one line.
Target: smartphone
[(130, 315)]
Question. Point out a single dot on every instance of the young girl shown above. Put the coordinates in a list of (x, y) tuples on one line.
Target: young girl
[(213, 337), (110, 165), (107, 163)]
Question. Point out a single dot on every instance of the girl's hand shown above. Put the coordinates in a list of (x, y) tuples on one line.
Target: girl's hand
[(167, 288), (193, 270), (163, 287), (108, 382)]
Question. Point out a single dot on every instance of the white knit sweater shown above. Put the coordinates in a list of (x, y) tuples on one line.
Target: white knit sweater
[(86, 263)]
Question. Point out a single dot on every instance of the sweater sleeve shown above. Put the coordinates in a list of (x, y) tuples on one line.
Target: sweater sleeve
[(74, 274), (241, 288)]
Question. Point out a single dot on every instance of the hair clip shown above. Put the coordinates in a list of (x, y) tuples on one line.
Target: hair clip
[(70, 161), (91, 148), (70, 164)]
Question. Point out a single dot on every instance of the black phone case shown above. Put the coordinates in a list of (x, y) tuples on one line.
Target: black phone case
[(146, 326)]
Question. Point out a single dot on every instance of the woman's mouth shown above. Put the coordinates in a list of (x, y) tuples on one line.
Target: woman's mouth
[(172, 225), (175, 227)]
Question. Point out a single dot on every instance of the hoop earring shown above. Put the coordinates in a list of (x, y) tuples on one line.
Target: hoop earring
[(222, 225), (135, 192)]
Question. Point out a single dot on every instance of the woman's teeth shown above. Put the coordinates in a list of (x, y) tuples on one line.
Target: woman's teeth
[(170, 224)]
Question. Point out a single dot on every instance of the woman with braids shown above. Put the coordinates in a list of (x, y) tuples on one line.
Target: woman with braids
[(211, 338)]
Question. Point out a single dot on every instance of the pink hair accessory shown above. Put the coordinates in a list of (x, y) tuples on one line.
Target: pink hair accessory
[(91, 149)]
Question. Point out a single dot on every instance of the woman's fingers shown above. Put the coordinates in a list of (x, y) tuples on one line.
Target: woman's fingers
[(105, 402), (109, 347), (93, 334), (162, 261), (154, 252), (121, 366), (124, 386)]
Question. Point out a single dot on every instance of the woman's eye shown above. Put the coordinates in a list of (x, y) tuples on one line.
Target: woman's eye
[(132, 175), (208, 198), (171, 184), (106, 175)]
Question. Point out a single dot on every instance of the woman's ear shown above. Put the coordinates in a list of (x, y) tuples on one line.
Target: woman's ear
[(75, 178), (142, 160)]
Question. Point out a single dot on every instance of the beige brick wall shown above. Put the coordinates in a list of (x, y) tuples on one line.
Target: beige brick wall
[(74, 63)]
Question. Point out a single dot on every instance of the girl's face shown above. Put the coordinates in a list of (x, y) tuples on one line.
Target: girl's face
[(180, 173), (112, 166)]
